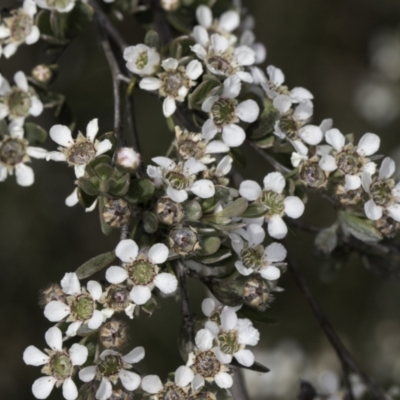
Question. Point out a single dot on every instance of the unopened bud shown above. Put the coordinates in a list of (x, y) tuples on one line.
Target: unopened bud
[(169, 5), (53, 292), (312, 175), (113, 334), (169, 212), (256, 293), (42, 73), (184, 240), (116, 213), (128, 159)]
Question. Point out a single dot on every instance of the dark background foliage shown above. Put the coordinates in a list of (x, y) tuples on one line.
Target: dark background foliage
[(322, 45)]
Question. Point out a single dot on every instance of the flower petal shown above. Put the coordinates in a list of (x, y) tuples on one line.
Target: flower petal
[(21, 81), (96, 320), (311, 134), (127, 250), (116, 275), (372, 211), (78, 354), (183, 376), (61, 134), (178, 196), (394, 211), (387, 169), (150, 84), (233, 135), (204, 339), (56, 311), (209, 129), (53, 338), (194, 69), (248, 111), (277, 227), (222, 357), (294, 207), (166, 282), (368, 144), (250, 190), (24, 175), (36, 152), (203, 188), (33, 356), (245, 357), (328, 163), (275, 252), (242, 269), (335, 138), (134, 356), (95, 290), (231, 87), (208, 306), (223, 380), (270, 273), (129, 380), (70, 284), (92, 129), (87, 374), (228, 319), (140, 295), (104, 391), (152, 384), (274, 181), (256, 235), (352, 182), (158, 253), (169, 106), (104, 146), (43, 386)]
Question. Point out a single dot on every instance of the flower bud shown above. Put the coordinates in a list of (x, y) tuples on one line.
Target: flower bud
[(312, 175), (169, 5), (53, 292), (42, 73), (169, 212), (116, 212), (113, 334), (184, 240), (127, 159), (256, 293)]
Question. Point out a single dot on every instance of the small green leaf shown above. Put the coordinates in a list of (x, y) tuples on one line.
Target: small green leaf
[(34, 133), (234, 209), (360, 228), (209, 245), (218, 256), (265, 125), (95, 264), (255, 210), (58, 23), (150, 222), (180, 47), (43, 23), (152, 39), (257, 316), (140, 191), (105, 228), (326, 239), (192, 210), (198, 95)]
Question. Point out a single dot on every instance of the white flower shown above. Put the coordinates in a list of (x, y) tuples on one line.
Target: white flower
[(384, 194), (141, 270), (14, 153), (59, 365), (142, 60), (177, 389), (248, 38), (20, 101), (113, 366), (232, 336), (350, 160), (80, 151), (222, 59), (128, 159), (205, 363), (252, 255), (19, 28), (275, 202), (174, 83), (217, 174), (181, 178), (62, 6), (225, 112), (80, 307)]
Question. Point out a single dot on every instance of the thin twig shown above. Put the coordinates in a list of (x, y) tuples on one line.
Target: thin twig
[(271, 160), (346, 359), (239, 391)]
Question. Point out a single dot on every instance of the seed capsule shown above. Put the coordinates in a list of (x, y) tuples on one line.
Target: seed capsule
[(169, 212), (256, 293), (52, 293), (113, 334), (184, 240), (116, 213)]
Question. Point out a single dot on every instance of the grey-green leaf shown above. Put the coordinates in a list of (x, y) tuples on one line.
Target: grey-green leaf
[(95, 264), (360, 228)]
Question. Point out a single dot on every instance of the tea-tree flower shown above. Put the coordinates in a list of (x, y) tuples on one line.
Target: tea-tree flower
[(205, 364), (59, 365), (181, 178), (253, 257), (174, 83), (222, 59), (178, 389), (113, 366), (141, 270), (232, 335), (225, 112), (276, 203), (217, 174), (248, 38), (80, 307), (20, 101), (383, 192), (80, 151), (18, 28), (61, 6), (14, 153), (142, 60), (351, 161)]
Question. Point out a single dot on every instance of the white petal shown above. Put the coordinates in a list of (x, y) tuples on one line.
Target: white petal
[(170, 64), (368, 144), (24, 175), (244, 56), (178, 196), (79, 170), (208, 306), (194, 69), (61, 134), (78, 354), (223, 380), (34, 36), (387, 169), (369, 167), (275, 252), (248, 111), (228, 319), (87, 374), (70, 284), (53, 338), (203, 188), (366, 180), (275, 75), (277, 227), (43, 386), (158, 253), (140, 295), (216, 146), (21, 81), (224, 166), (303, 111), (204, 16), (4, 33), (328, 163), (219, 43), (9, 50), (326, 124), (104, 391), (55, 156), (36, 106), (200, 51), (300, 94), (294, 207), (245, 76), (250, 190), (56, 311), (207, 104), (200, 34), (73, 329), (36, 152), (282, 103), (299, 146), (116, 275), (127, 250), (270, 273), (166, 282), (229, 21), (204, 339), (150, 84), (352, 182), (394, 211), (197, 383), (96, 320), (212, 327), (372, 211), (134, 356), (245, 357), (232, 87), (209, 129), (183, 376), (103, 147), (95, 290), (335, 138), (256, 234), (164, 162), (152, 384), (233, 135), (274, 181), (311, 134), (33, 356), (222, 357), (169, 106), (193, 167), (92, 129), (129, 380), (242, 269)]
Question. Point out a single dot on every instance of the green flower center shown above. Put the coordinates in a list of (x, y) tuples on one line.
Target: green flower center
[(224, 111), (58, 3), (289, 126), (207, 364), (177, 180), (312, 175), (81, 153), (61, 366), (111, 365), (19, 103), (12, 151), (349, 163), (381, 192), (142, 272), (228, 342), (21, 26), (172, 392), (83, 307), (142, 60), (183, 240), (274, 201), (172, 82), (252, 257)]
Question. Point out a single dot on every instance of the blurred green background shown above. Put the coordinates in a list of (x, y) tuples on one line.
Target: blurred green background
[(326, 46)]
